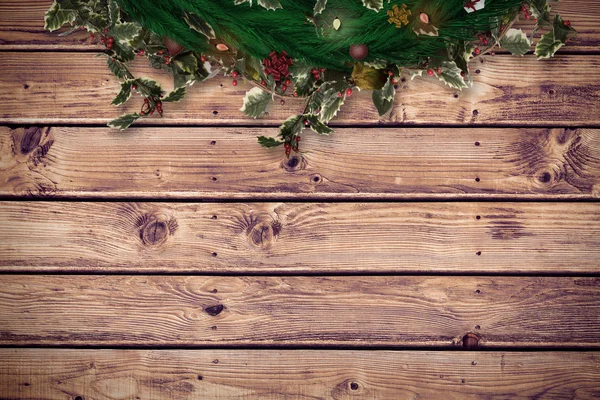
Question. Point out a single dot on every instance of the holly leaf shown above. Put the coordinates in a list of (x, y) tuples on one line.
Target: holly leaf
[(553, 40), (124, 121), (148, 87), (516, 41), (125, 32), (540, 10), (268, 142), (384, 98), (331, 104), (58, 16), (186, 63), (199, 25), (303, 78), (373, 4), (175, 95), (124, 94), (451, 75), (117, 68), (317, 125), (292, 126), (320, 6), (114, 12), (256, 102)]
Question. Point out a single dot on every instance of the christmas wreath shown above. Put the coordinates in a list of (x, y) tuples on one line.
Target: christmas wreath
[(321, 50)]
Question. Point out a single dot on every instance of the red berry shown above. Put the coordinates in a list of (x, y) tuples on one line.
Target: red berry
[(111, 40), (262, 82), (315, 71), (567, 22), (92, 37), (298, 138), (391, 73), (142, 52), (430, 72), (340, 94), (439, 70), (283, 87), (485, 42), (234, 82), (109, 46), (134, 87), (282, 102), (295, 94), (235, 74), (203, 58), (477, 51), (322, 70), (307, 123), (349, 92), (462, 73), (480, 37), (288, 82), (106, 31), (493, 53), (394, 81)]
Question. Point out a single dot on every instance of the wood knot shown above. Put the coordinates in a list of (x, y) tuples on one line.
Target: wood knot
[(349, 387), (262, 230), (547, 177), (470, 341), (294, 163), (30, 140), (213, 311), (155, 229)]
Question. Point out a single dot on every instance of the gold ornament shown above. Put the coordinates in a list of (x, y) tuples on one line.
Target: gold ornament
[(398, 15)]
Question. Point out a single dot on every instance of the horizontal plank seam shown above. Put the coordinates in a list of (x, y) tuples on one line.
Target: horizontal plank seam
[(357, 347)]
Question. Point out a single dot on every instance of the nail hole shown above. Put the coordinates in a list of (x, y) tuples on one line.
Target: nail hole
[(477, 327), (545, 177), (396, 87), (477, 71), (478, 291), (200, 377), (473, 362), (215, 112), (316, 178), (403, 79), (214, 217), (213, 142), (477, 144), (354, 386), (221, 85), (462, 381), (552, 92), (214, 178), (78, 398), (214, 254), (478, 253), (214, 290), (478, 217), (475, 112), (214, 327), (456, 95), (215, 361), (25, 86), (477, 180)]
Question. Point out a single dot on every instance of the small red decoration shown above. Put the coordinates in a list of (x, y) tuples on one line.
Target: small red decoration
[(278, 65)]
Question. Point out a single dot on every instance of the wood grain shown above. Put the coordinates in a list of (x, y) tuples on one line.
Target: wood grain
[(352, 163), (77, 88), (22, 26), (38, 374), (299, 238), (386, 311)]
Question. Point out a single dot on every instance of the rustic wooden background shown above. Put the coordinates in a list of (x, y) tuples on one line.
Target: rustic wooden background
[(449, 251)]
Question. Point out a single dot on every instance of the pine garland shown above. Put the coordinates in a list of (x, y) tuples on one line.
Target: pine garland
[(322, 50)]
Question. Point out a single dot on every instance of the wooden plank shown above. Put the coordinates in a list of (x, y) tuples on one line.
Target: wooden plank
[(77, 88), (301, 374), (22, 27), (386, 311), (515, 238), (352, 163)]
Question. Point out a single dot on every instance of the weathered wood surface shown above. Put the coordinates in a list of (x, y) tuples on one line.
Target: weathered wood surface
[(38, 374), (514, 238), (325, 311), (351, 163), (77, 88), (22, 26)]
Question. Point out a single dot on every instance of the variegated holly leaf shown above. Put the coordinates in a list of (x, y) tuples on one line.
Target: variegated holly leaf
[(256, 102), (320, 6), (373, 4), (516, 41), (124, 94), (317, 125), (124, 121), (175, 96), (384, 98), (59, 14), (331, 104), (199, 25), (451, 75), (268, 4)]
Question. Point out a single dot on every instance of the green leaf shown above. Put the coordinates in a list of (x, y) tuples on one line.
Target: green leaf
[(516, 41), (124, 94), (540, 10), (373, 4), (317, 125), (331, 105), (256, 102), (292, 126), (114, 12), (124, 121), (451, 75), (320, 6), (175, 95), (270, 4), (303, 78), (148, 87), (57, 16), (199, 25), (117, 68), (384, 98), (268, 142), (186, 62), (125, 32), (553, 40)]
